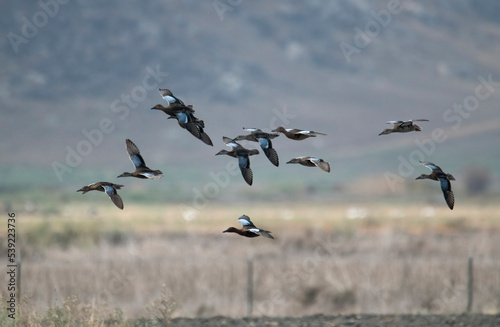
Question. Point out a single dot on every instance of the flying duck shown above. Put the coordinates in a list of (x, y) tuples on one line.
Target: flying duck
[(311, 162), (296, 134), (402, 126), (248, 229), (439, 175), (141, 170), (242, 155), (184, 115), (264, 139), (108, 188)]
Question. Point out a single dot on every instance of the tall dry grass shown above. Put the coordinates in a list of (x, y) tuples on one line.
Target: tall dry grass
[(325, 259)]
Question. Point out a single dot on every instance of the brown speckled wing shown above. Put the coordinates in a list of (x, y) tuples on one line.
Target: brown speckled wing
[(247, 175), (447, 192), (272, 155), (111, 192), (117, 200), (206, 139), (194, 130), (134, 154), (450, 199)]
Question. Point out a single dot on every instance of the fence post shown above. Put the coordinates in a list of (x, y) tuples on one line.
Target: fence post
[(470, 284), (249, 284)]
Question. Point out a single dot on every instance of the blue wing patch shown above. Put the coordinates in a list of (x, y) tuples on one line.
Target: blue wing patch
[(264, 143), (243, 162), (137, 160), (445, 184), (109, 190), (182, 117)]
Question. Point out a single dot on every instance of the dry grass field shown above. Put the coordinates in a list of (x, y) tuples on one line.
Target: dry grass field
[(329, 259)]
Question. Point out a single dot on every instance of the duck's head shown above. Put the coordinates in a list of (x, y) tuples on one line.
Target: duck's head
[(423, 176), (158, 107), (279, 129), (386, 131), (222, 152), (231, 230), (84, 189), (125, 174)]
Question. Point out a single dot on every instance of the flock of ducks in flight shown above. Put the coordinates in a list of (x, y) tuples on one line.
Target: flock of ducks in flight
[(184, 114)]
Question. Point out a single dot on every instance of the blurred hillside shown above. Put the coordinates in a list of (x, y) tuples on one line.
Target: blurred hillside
[(259, 64)]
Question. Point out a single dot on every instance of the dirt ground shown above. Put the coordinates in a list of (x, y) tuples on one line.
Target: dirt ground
[(473, 320)]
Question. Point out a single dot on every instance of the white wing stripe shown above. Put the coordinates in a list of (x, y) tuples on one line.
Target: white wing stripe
[(244, 222)]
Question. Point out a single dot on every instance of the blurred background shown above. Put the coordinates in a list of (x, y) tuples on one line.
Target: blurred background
[(80, 77)]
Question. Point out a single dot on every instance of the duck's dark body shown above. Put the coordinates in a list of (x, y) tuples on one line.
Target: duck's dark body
[(248, 229), (141, 170), (106, 187), (297, 134), (402, 126), (265, 142), (444, 179), (243, 156)]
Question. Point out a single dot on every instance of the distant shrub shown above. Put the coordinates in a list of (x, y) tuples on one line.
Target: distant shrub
[(309, 296), (70, 313), (115, 237), (477, 180), (344, 299), (163, 307)]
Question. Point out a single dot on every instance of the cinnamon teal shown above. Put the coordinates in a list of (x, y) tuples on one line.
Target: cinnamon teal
[(264, 139), (311, 162), (184, 115), (186, 120), (242, 154), (108, 188), (141, 170), (438, 174), (402, 126), (248, 229), (296, 134)]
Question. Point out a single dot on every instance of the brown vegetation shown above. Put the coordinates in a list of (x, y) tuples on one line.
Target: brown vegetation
[(387, 260)]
